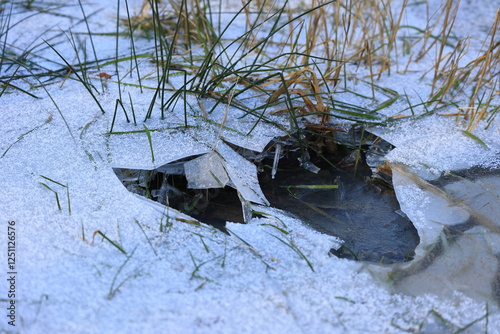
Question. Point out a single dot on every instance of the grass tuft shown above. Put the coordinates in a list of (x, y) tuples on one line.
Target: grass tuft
[(65, 186)]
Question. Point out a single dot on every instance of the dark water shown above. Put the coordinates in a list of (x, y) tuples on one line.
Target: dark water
[(359, 211)]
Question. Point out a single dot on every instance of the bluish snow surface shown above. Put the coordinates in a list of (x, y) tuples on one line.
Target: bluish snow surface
[(186, 278)]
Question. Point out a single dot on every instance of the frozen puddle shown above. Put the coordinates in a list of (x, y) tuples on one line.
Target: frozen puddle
[(457, 218), (452, 245), (338, 198)]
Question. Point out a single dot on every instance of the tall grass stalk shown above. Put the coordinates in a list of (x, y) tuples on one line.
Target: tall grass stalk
[(5, 17), (134, 54), (91, 42), (118, 80)]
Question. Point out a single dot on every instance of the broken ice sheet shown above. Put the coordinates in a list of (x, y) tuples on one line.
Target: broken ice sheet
[(468, 265), (206, 172), (439, 143), (171, 142), (428, 209), (480, 193), (132, 150), (200, 152), (206, 160), (242, 173), (457, 220)]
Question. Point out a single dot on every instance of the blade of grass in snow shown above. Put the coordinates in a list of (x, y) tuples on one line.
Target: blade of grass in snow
[(197, 266), (346, 299), (71, 68), (21, 137), (390, 101), (354, 255), (49, 179), (134, 54), (463, 329), (272, 225), (172, 101), (438, 38), (115, 60), (60, 113), (295, 249), (313, 186), (4, 30), (109, 240), (180, 127), (132, 107), (68, 199), (148, 134), (118, 80), (204, 244), (55, 193), (251, 248), (474, 137), (91, 42), (188, 221), (83, 232), (82, 46), (112, 289), (32, 46), (147, 238), (118, 102), (8, 83)]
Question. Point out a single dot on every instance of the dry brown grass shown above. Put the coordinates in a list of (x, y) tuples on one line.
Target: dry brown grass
[(185, 22), (364, 32)]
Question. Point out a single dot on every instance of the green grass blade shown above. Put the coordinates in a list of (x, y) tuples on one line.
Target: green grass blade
[(474, 137), (109, 240), (72, 69), (55, 193), (295, 249), (91, 42), (150, 141), (313, 186), (147, 238), (134, 54)]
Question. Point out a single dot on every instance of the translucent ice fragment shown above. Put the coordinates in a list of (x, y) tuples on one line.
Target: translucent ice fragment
[(306, 163), (276, 160), (206, 172), (243, 174), (176, 168)]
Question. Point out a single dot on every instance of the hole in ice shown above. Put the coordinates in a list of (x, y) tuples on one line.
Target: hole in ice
[(168, 185), (333, 190)]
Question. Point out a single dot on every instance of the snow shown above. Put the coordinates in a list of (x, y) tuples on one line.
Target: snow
[(177, 277), (416, 144)]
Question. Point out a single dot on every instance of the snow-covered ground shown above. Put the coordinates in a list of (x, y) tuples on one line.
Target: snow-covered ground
[(163, 275)]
